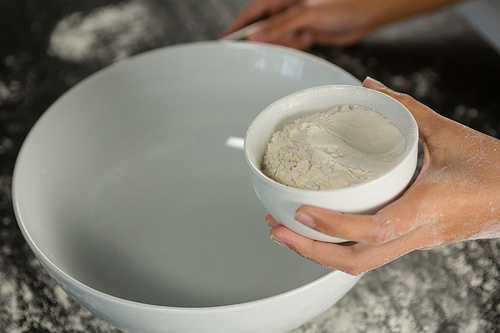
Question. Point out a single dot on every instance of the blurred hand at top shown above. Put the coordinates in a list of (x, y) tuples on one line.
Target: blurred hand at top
[(302, 23)]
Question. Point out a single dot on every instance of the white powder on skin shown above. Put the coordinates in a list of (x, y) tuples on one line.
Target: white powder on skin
[(345, 146)]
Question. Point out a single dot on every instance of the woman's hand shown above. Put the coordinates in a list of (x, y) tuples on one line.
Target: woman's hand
[(455, 198), (302, 23)]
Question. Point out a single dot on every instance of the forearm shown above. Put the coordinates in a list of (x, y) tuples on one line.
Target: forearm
[(387, 11)]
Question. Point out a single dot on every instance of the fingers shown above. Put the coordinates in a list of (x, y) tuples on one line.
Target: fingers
[(395, 220), (353, 258), (250, 14), (301, 41), (369, 229), (288, 22), (299, 24), (379, 239), (271, 221), (256, 11), (304, 39)]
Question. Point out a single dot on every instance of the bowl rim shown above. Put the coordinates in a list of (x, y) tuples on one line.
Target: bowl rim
[(343, 190)]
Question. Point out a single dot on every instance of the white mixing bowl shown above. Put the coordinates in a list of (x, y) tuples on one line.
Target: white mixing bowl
[(134, 200), (282, 201)]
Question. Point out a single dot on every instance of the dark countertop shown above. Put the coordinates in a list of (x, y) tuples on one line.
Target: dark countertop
[(48, 46)]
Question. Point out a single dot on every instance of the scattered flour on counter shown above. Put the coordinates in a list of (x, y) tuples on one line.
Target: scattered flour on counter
[(345, 146), (106, 34)]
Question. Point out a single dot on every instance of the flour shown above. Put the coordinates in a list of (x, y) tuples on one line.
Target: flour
[(345, 146), (106, 34)]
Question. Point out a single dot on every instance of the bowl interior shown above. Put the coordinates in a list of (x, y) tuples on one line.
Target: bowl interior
[(127, 185)]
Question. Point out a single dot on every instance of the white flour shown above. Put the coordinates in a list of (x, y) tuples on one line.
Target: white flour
[(345, 146), (106, 34)]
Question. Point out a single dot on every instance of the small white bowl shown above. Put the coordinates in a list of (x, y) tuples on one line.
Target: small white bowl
[(282, 201)]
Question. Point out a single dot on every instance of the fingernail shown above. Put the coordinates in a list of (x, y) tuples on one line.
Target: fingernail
[(271, 223), (278, 240), (305, 219), (371, 82)]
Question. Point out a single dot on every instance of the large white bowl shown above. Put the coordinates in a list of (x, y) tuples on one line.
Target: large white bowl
[(134, 200), (282, 201)]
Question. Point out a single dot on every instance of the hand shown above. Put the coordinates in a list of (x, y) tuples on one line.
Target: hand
[(455, 198), (302, 23)]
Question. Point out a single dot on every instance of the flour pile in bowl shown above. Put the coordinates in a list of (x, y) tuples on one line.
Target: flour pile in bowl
[(344, 146)]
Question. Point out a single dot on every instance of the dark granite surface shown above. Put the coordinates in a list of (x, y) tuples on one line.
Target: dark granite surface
[(48, 46)]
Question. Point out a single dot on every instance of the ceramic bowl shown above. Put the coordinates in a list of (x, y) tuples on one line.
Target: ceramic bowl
[(132, 190), (282, 201)]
